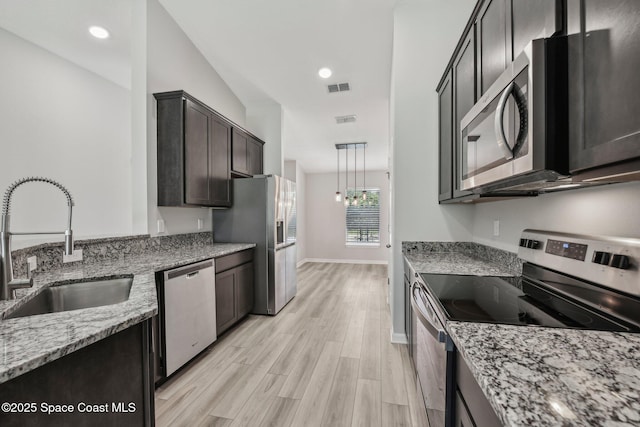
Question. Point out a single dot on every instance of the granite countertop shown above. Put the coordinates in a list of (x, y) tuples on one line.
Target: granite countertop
[(533, 375), (29, 342)]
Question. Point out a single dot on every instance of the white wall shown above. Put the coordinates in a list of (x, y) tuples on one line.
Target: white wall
[(425, 35), (61, 121), (294, 172), (174, 63), (611, 210), (265, 121), (325, 233)]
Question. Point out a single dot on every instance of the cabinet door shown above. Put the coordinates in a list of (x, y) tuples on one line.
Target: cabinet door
[(226, 312), (533, 20), (445, 106), (220, 173), (244, 281), (464, 92), (463, 417), (604, 82), (239, 152), (254, 157), (196, 154), (492, 46)]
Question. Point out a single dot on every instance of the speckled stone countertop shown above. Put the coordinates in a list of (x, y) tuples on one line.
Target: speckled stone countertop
[(535, 376), (465, 258), (29, 342)]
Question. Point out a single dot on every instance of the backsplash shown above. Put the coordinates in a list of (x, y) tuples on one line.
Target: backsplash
[(487, 253), (99, 250)]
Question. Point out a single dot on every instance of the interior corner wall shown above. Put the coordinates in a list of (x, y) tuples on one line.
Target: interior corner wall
[(425, 35), (294, 172), (63, 122), (174, 63), (325, 236), (266, 121)]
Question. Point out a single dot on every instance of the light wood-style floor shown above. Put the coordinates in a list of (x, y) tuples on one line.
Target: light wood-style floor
[(325, 360)]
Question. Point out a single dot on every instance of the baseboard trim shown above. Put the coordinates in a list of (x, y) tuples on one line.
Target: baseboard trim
[(345, 261), (399, 338)]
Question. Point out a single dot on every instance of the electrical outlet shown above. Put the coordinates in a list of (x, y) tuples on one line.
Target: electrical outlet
[(32, 262), (74, 257), (161, 226), (200, 223), (496, 228)]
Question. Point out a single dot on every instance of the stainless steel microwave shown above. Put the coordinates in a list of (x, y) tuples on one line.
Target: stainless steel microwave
[(515, 136)]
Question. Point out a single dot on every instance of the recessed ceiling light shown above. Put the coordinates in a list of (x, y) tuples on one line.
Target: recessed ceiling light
[(325, 72), (99, 32)]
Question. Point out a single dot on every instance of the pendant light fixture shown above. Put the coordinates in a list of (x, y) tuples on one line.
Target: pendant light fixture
[(354, 202), (357, 195), (338, 194), (346, 178), (364, 174)]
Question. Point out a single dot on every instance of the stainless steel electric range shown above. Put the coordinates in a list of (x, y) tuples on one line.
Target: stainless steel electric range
[(568, 281)]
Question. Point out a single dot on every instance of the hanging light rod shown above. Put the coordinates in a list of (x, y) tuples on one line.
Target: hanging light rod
[(351, 145)]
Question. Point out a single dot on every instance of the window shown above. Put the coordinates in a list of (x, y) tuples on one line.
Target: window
[(363, 220)]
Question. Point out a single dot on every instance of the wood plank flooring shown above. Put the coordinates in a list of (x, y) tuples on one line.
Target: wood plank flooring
[(325, 360)]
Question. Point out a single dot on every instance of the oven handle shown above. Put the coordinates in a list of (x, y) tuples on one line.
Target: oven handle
[(430, 325)]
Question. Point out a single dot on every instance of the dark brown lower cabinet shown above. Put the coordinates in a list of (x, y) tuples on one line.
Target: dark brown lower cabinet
[(234, 288), (107, 383), (472, 407)]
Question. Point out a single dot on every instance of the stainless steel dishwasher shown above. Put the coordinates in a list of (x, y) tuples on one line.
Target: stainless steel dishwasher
[(188, 313)]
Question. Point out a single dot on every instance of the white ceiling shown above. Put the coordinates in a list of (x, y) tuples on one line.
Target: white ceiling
[(272, 51), (62, 28), (266, 51)]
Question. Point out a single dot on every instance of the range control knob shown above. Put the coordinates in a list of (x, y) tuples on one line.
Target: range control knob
[(601, 257), (620, 261), (533, 244), (523, 243)]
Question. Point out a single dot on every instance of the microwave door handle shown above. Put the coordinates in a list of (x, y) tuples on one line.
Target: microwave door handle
[(499, 126), (521, 103)]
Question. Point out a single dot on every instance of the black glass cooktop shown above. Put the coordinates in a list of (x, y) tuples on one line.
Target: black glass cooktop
[(511, 300)]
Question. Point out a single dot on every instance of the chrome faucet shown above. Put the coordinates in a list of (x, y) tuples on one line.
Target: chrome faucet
[(7, 283)]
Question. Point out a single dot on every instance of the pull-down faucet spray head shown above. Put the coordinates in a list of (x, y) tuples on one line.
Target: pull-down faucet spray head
[(7, 282)]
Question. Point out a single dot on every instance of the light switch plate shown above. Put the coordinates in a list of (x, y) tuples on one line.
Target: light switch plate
[(32, 262), (74, 257), (161, 226), (200, 223)]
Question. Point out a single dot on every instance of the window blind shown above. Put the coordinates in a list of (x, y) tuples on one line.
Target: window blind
[(363, 220)]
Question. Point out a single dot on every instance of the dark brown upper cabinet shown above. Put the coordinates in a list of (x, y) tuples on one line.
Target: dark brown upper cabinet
[(532, 20), (246, 158), (604, 83), (464, 96), (445, 137), (193, 153), (494, 47)]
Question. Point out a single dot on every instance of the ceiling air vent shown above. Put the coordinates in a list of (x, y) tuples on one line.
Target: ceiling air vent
[(340, 87), (345, 119)]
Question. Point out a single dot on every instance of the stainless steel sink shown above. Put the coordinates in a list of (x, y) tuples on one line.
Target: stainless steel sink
[(73, 296)]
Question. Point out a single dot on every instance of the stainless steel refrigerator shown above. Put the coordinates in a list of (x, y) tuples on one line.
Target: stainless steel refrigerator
[(264, 213)]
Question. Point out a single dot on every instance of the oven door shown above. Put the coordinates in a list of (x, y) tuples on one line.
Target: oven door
[(495, 134), (430, 355)]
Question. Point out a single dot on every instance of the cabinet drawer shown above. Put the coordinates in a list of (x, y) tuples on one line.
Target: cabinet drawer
[(229, 261)]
